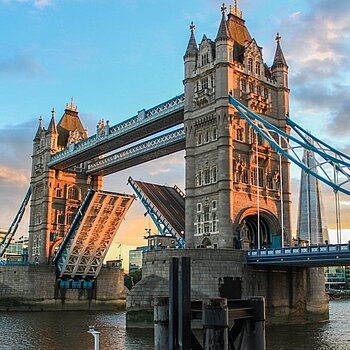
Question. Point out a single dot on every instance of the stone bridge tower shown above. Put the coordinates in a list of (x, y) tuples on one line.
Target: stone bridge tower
[(223, 159), (56, 195)]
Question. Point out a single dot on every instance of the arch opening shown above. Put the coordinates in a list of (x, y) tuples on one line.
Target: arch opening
[(270, 232)]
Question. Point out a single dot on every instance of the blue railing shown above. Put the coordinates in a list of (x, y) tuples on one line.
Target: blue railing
[(17, 263), (300, 250), (313, 255)]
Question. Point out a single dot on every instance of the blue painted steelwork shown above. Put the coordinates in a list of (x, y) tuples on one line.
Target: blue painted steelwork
[(161, 223), (338, 162), (150, 146), (62, 252), (313, 255), (144, 117), (13, 228), (17, 263)]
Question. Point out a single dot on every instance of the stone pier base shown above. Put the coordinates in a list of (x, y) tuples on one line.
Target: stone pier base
[(293, 295), (33, 288)]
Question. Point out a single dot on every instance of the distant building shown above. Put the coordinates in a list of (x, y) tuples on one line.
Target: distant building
[(337, 277), (3, 233), (135, 259), (311, 225)]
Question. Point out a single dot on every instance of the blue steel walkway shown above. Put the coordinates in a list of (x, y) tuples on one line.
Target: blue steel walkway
[(309, 256)]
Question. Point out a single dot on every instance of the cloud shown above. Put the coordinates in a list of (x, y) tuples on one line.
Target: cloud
[(37, 3), (13, 176), (22, 65), (317, 50), (15, 150)]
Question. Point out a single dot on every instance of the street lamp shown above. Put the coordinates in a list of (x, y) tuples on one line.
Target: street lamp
[(96, 335)]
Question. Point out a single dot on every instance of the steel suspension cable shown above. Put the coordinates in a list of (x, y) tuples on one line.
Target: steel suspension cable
[(281, 194), (257, 185)]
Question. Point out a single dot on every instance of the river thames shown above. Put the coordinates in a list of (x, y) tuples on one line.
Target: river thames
[(68, 330)]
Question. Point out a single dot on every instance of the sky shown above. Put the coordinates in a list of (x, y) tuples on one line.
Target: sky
[(117, 57)]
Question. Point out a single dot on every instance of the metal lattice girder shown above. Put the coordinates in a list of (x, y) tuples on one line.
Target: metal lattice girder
[(162, 223), (331, 166), (157, 147), (91, 234), (13, 228), (145, 123)]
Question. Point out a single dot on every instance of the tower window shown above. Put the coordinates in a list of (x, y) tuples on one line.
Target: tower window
[(250, 64), (206, 136), (199, 207), (243, 85), (214, 174), (199, 138), (215, 134), (259, 90), (239, 134), (214, 204), (205, 58), (257, 68), (266, 93), (206, 176), (204, 83), (245, 176), (73, 193), (251, 87), (199, 178)]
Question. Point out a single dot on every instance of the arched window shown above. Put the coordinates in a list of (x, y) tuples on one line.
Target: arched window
[(214, 134), (59, 192), (206, 242), (243, 85), (73, 193), (214, 174), (239, 134), (206, 176), (250, 64), (257, 68), (199, 138)]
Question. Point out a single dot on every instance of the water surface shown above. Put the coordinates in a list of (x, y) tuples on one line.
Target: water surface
[(68, 330)]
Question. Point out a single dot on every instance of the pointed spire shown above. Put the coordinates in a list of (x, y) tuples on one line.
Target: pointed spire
[(40, 129), (71, 106), (279, 60), (52, 129), (192, 48), (235, 10), (223, 32)]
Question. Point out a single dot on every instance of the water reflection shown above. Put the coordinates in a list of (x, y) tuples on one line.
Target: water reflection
[(68, 330)]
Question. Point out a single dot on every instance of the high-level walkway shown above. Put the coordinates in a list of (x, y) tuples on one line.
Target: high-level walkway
[(144, 124)]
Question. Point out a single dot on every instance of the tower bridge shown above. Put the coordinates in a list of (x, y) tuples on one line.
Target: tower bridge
[(233, 123)]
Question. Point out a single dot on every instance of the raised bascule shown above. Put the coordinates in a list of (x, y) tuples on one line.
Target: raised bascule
[(234, 219)]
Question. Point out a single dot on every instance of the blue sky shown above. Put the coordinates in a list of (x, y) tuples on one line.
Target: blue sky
[(117, 57)]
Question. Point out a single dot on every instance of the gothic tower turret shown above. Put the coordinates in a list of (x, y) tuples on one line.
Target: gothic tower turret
[(223, 159), (56, 195)]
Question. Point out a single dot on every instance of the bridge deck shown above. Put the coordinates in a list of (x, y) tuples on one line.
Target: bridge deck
[(310, 256), (165, 204), (91, 234)]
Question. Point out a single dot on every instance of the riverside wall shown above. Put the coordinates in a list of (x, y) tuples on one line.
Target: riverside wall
[(293, 295), (34, 288)]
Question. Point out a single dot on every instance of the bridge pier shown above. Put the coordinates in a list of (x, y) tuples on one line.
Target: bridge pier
[(34, 288), (215, 270)]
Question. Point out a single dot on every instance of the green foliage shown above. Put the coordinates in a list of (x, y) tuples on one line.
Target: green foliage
[(132, 278)]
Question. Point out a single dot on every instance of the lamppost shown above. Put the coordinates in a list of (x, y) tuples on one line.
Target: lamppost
[(96, 335)]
